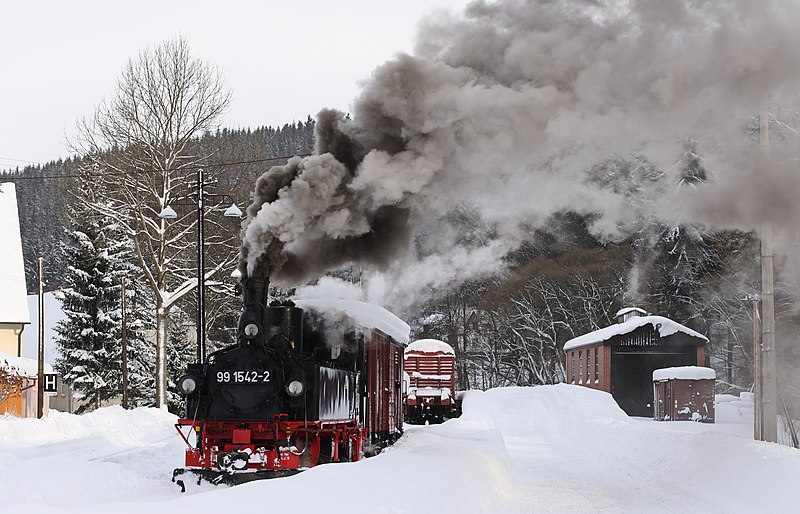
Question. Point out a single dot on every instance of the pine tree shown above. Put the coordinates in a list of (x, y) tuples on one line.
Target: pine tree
[(99, 260), (88, 338)]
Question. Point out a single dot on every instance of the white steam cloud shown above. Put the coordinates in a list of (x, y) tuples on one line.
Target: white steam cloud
[(511, 106)]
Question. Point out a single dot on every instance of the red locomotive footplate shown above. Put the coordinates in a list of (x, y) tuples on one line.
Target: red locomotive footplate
[(237, 446)]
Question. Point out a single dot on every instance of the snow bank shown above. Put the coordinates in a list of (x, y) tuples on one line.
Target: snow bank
[(442, 469), (549, 449), (665, 327), (115, 424), (69, 463)]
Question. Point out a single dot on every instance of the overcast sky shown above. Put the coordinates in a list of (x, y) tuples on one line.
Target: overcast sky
[(282, 59)]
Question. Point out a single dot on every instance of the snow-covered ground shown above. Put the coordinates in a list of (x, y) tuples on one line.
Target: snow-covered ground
[(543, 449)]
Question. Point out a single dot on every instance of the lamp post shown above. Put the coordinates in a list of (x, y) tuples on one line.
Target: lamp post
[(200, 195)]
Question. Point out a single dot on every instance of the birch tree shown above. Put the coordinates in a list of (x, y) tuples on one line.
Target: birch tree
[(139, 143)]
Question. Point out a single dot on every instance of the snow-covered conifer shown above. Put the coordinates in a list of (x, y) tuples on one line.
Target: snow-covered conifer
[(88, 338)]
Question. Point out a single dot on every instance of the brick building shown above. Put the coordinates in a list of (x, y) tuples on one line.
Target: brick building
[(620, 359)]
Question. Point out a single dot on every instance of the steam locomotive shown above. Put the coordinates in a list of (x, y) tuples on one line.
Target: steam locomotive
[(307, 383)]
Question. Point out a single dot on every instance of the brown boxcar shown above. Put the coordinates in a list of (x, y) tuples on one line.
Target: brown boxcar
[(684, 393), (383, 410), (431, 392)]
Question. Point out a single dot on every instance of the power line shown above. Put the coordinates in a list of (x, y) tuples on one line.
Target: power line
[(6, 167), (20, 160), (183, 168)]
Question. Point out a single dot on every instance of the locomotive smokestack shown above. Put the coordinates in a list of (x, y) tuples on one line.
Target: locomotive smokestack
[(260, 323), (252, 320)]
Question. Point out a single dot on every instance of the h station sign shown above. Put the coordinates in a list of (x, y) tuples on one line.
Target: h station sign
[(50, 384)]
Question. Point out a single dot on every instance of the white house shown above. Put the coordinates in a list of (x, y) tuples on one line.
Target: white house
[(14, 314)]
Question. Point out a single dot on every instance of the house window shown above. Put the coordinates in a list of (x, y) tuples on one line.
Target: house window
[(596, 365), (589, 364), (580, 366), (572, 368)]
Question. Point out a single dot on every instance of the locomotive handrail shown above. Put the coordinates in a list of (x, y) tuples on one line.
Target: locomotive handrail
[(178, 426)]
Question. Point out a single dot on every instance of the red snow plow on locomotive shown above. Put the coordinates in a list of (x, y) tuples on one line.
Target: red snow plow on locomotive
[(308, 383)]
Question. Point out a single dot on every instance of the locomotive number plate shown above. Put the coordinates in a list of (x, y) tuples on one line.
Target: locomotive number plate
[(243, 377)]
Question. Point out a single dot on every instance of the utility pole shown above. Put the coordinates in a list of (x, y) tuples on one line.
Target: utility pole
[(757, 368), (200, 196), (124, 353), (769, 388), (201, 268), (40, 377)]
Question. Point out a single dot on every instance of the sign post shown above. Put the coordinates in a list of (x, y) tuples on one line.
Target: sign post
[(40, 377)]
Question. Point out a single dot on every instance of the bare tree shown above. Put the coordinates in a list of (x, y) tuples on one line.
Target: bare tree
[(138, 143), (519, 337)]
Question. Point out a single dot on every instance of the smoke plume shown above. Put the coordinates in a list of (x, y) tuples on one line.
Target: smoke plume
[(510, 106)]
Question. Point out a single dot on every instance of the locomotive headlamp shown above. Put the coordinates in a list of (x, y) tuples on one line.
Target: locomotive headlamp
[(187, 384), (250, 330), (295, 388)]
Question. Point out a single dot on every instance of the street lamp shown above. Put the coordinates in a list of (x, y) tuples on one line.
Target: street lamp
[(233, 211)]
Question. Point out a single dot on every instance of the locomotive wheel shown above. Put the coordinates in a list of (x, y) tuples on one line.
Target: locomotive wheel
[(182, 477)]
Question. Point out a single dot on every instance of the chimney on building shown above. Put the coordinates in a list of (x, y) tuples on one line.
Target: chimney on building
[(627, 313)]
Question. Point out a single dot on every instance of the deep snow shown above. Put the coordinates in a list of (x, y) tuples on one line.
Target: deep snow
[(544, 449)]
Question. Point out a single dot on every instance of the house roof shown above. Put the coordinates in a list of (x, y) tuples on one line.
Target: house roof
[(665, 327), (13, 299), (22, 366)]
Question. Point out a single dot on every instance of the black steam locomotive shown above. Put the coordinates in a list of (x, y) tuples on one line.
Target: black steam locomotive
[(298, 389)]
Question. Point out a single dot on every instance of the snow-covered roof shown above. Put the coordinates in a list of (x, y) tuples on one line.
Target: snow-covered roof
[(685, 373), (13, 296), (665, 327), (367, 314), (430, 346), (26, 367), (626, 310)]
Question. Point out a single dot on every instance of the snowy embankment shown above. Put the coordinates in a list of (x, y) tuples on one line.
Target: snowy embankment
[(545, 449)]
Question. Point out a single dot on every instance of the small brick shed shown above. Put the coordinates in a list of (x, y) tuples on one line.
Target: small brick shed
[(684, 394)]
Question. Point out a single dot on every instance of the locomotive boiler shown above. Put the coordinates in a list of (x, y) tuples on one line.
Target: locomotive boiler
[(305, 384)]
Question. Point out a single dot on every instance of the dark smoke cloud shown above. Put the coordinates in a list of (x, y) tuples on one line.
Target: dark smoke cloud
[(510, 107)]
